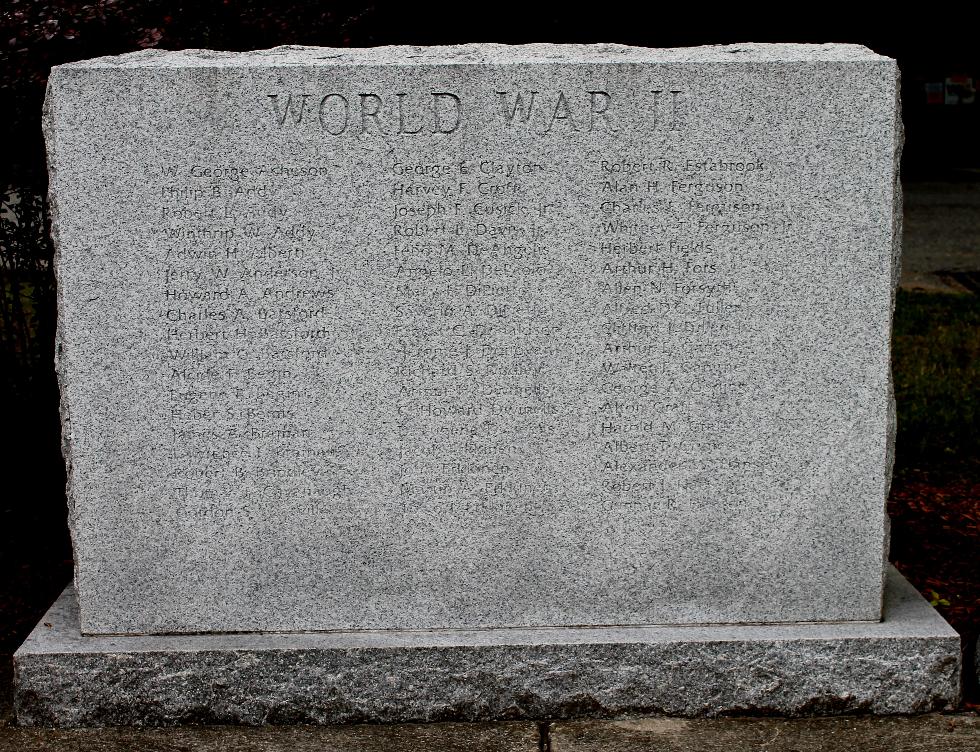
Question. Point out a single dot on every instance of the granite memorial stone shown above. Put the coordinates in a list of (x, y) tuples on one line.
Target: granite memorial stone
[(484, 337), (481, 338)]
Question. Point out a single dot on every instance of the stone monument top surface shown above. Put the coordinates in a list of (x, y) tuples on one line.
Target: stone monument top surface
[(486, 53)]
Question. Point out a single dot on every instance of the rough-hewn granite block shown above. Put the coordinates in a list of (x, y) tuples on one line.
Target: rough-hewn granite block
[(475, 337), (908, 663)]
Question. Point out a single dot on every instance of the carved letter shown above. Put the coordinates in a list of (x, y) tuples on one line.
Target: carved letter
[(678, 114), (562, 112), (323, 122), (289, 109), (656, 107), (678, 108), (599, 109), (372, 113), (438, 125), (525, 115), (401, 116)]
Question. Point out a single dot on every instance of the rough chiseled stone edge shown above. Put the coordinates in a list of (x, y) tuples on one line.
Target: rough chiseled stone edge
[(909, 663), (485, 54), (49, 129), (898, 135)]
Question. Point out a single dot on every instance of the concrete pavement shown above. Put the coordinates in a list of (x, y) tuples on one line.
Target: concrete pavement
[(941, 239)]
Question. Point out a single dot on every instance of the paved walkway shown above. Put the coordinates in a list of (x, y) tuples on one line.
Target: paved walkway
[(957, 733), (941, 243)]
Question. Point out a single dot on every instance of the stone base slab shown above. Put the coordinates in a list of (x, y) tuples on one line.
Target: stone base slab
[(908, 663)]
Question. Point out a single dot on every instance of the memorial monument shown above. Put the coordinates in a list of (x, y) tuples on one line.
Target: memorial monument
[(478, 382)]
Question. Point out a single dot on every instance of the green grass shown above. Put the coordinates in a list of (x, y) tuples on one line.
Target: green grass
[(936, 365)]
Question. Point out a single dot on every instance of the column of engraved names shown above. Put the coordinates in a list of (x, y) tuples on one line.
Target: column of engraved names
[(244, 310), (672, 317), (475, 333)]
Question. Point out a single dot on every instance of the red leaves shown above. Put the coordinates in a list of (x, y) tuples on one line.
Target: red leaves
[(936, 539)]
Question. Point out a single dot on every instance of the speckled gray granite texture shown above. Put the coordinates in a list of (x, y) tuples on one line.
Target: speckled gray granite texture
[(476, 337), (908, 663)]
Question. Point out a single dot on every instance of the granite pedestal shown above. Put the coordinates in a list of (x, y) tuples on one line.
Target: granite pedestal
[(907, 663)]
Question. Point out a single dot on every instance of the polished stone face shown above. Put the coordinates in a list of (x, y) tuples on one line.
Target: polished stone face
[(476, 337)]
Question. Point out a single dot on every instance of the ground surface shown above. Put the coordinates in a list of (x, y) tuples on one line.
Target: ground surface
[(936, 545), (941, 245), (943, 733)]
